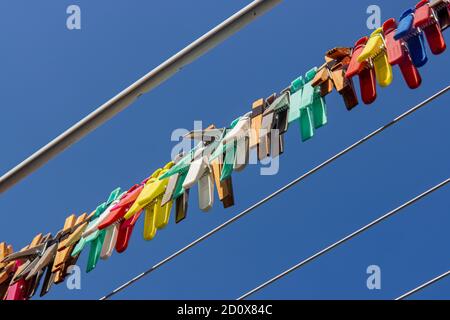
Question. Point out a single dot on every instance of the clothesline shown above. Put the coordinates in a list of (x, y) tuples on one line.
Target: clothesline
[(221, 151)]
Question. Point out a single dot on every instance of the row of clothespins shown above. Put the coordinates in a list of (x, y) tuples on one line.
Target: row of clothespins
[(220, 151)]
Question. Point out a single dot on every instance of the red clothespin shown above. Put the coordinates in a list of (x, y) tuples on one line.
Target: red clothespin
[(117, 217), (425, 19), (18, 290), (398, 53), (365, 72), (442, 10), (125, 232), (118, 211)]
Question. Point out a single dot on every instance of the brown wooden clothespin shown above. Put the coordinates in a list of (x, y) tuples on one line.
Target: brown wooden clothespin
[(181, 206), (73, 227), (224, 187), (332, 74), (255, 123), (323, 78)]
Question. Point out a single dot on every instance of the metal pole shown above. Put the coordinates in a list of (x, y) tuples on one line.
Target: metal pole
[(130, 94)]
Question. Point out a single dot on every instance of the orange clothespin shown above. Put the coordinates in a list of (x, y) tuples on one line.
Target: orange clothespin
[(332, 75), (256, 116), (74, 228)]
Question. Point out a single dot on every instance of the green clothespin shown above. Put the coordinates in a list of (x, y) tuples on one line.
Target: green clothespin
[(230, 154), (228, 151), (228, 163), (82, 243), (181, 168), (96, 238), (113, 196), (179, 190), (307, 105)]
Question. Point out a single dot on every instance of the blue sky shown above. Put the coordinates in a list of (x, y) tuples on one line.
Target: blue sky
[(51, 77)]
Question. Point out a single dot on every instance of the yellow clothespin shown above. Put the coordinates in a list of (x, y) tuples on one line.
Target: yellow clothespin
[(375, 51), (156, 216)]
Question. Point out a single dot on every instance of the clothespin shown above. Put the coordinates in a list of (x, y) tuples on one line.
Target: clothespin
[(255, 122), (96, 238), (106, 214), (43, 257), (118, 211), (200, 172), (77, 231), (212, 146), (442, 11), (111, 231), (222, 179), (425, 18), (29, 264), (323, 78), (224, 186), (233, 147), (375, 53), (6, 269), (210, 139), (398, 53), (180, 211), (181, 206), (263, 143), (119, 230), (125, 230), (273, 126), (17, 290), (156, 216), (73, 229), (332, 75), (413, 38), (238, 137), (180, 170), (177, 175), (364, 70), (225, 155), (307, 105)]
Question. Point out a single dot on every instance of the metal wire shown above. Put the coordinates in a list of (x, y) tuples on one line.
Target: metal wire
[(423, 286), (343, 240), (279, 191)]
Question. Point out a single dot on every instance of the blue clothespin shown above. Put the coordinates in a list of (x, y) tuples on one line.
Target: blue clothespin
[(413, 38)]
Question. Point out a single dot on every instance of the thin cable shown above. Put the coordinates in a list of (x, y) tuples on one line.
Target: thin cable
[(343, 240), (423, 286), (286, 187)]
